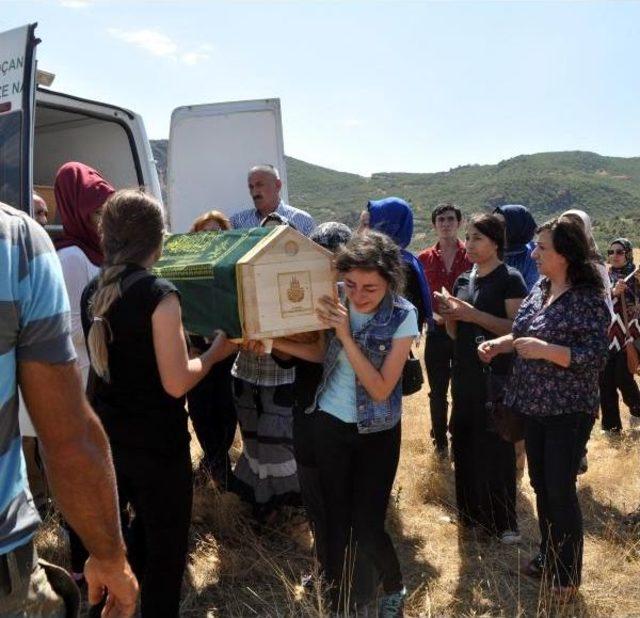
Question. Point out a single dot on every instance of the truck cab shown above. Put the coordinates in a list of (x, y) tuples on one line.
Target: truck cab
[(211, 146)]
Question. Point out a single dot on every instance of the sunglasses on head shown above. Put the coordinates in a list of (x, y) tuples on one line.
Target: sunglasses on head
[(616, 252)]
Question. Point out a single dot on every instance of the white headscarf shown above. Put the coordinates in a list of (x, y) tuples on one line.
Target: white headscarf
[(602, 269)]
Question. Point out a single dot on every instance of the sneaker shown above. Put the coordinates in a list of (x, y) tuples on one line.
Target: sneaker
[(392, 605), (510, 537), (584, 465), (634, 423)]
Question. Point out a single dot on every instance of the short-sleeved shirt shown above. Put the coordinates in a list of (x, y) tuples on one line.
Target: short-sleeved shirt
[(491, 292), (134, 407), (339, 396), (437, 274), (34, 326)]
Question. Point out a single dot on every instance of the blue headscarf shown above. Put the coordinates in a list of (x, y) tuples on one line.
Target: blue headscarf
[(520, 228), (393, 216)]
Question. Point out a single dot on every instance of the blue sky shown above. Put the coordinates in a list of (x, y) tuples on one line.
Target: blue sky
[(365, 86)]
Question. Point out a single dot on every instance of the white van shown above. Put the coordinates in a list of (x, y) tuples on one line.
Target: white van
[(211, 146)]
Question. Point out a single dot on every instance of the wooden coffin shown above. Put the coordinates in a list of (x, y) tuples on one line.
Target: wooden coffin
[(279, 283), (253, 284)]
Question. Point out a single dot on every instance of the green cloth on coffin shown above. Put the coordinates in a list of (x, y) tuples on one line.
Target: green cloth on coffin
[(203, 268)]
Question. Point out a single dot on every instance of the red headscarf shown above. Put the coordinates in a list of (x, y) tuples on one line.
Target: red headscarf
[(80, 191)]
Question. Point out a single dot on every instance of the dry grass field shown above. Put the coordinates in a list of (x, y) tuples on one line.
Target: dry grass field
[(236, 571)]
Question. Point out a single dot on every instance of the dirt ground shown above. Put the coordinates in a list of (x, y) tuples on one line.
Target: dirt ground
[(236, 570)]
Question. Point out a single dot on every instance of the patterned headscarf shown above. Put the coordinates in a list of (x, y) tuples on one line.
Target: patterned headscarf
[(331, 235), (629, 266)]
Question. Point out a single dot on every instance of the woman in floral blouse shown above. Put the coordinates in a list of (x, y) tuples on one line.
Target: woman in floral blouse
[(560, 339)]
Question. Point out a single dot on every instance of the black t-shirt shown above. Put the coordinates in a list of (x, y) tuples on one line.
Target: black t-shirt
[(491, 291), (133, 406)]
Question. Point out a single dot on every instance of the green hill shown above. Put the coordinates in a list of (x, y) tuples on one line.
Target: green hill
[(608, 188)]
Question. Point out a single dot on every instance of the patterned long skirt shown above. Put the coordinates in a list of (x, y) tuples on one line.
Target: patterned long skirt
[(267, 467)]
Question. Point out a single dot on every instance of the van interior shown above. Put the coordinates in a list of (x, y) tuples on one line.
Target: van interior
[(62, 135)]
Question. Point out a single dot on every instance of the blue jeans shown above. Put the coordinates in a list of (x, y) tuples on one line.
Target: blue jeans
[(555, 445)]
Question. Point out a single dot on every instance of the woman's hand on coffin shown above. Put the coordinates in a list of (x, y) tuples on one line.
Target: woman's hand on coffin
[(255, 346), (335, 315)]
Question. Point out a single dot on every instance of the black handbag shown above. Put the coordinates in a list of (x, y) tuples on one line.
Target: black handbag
[(412, 378), (503, 419)]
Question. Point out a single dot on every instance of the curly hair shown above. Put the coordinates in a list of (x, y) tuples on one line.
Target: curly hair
[(373, 251), (213, 215), (571, 242)]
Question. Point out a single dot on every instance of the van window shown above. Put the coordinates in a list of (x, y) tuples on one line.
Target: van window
[(10, 157)]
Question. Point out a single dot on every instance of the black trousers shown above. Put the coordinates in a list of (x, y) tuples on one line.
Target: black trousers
[(485, 464), (214, 419), (357, 473), (555, 445), (309, 478), (438, 353), (616, 377), (159, 490)]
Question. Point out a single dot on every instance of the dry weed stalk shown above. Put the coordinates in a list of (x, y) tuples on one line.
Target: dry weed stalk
[(235, 570)]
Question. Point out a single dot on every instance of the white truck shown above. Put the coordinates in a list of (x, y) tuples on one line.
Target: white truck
[(211, 146)]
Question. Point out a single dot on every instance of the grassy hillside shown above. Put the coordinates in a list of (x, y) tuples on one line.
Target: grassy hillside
[(608, 188)]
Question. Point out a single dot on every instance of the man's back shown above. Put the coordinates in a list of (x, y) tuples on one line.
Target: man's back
[(34, 313)]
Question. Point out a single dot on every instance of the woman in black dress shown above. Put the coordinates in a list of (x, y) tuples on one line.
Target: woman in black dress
[(484, 304), (140, 374)]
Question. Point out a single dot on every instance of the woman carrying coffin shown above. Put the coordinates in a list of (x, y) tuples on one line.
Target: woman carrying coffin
[(139, 355), (210, 402), (560, 340), (358, 408), (484, 304)]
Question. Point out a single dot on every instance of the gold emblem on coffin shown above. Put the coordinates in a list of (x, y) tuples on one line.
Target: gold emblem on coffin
[(295, 293)]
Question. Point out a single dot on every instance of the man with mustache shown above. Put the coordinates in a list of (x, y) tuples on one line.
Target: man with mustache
[(264, 186), (266, 472)]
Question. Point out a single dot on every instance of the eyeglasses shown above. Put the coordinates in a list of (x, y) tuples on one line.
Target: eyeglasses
[(616, 252)]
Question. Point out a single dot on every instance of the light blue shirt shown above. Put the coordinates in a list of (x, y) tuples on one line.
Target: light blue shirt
[(301, 220), (339, 396), (34, 326)]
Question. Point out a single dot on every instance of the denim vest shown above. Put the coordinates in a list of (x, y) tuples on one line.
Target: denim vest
[(375, 339)]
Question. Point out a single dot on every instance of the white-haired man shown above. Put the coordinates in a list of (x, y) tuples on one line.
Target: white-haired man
[(266, 472), (264, 186)]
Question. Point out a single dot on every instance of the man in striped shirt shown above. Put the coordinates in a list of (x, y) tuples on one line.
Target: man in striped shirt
[(264, 187), (36, 353), (266, 471)]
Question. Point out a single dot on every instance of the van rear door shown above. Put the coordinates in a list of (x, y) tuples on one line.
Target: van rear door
[(211, 148), (17, 98)]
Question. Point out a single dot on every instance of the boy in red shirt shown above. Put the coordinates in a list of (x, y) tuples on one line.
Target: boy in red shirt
[(442, 264)]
